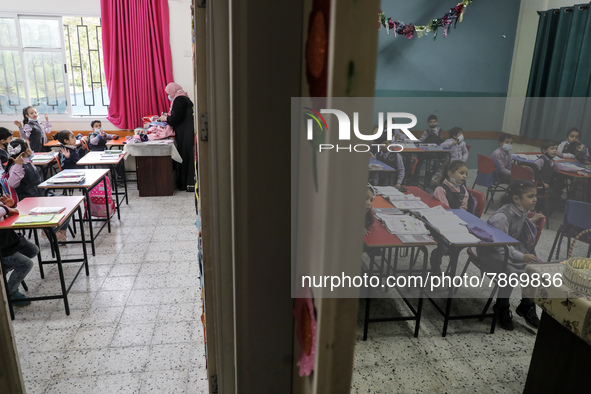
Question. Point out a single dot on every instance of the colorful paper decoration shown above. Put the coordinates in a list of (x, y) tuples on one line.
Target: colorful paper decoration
[(454, 16)]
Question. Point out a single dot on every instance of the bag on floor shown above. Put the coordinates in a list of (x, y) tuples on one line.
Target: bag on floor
[(97, 200)]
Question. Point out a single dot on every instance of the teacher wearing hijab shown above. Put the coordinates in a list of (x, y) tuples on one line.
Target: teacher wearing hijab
[(180, 117)]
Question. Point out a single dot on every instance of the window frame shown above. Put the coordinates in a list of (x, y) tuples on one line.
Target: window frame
[(69, 116)]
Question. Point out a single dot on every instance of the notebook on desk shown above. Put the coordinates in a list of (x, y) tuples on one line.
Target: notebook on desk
[(38, 219), (46, 210), (68, 179)]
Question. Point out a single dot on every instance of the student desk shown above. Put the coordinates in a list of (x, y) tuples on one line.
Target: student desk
[(120, 143), (570, 177), (71, 203), (96, 159), (92, 178), (420, 149), (385, 169), (56, 144), (499, 239), (46, 164), (381, 239)]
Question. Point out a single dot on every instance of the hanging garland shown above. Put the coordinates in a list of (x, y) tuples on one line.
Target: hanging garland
[(452, 17)]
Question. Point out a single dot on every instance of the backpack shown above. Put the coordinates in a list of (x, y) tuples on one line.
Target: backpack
[(6, 189), (97, 200)]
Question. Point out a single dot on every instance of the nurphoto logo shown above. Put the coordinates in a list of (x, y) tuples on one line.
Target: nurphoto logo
[(344, 129)]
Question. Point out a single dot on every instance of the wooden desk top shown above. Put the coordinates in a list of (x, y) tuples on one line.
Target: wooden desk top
[(45, 162), (25, 206), (92, 177), (95, 159)]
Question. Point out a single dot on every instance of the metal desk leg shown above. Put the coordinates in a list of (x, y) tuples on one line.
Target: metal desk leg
[(84, 251), (107, 205), (453, 262), (87, 196), (53, 239)]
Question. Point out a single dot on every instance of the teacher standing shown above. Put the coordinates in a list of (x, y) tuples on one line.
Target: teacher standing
[(180, 117)]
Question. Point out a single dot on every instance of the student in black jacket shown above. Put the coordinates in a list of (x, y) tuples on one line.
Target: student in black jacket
[(15, 253)]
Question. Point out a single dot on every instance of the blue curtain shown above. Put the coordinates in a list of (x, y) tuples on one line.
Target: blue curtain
[(560, 76)]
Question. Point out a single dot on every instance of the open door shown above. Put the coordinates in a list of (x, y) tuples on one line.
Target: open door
[(348, 30)]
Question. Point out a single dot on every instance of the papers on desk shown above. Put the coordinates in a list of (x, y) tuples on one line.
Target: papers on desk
[(42, 157), (449, 225), (400, 225), (527, 157), (46, 210), (376, 167), (387, 191), (414, 239), (409, 205), (384, 212), (66, 179), (71, 173), (38, 219)]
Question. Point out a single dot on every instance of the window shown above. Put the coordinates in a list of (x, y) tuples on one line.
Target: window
[(52, 63)]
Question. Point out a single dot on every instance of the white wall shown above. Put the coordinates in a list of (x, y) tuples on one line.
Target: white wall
[(527, 28), (180, 46)]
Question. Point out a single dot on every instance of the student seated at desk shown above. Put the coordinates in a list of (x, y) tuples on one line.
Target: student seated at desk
[(69, 152), (16, 252), (456, 143), (5, 138), (98, 138), (394, 160), (546, 165), (453, 193), (511, 218), (579, 152), (433, 136), (23, 175), (502, 157), (573, 135)]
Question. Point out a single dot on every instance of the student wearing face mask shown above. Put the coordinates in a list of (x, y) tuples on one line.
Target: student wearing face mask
[(456, 143), (502, 156), (98, 138)]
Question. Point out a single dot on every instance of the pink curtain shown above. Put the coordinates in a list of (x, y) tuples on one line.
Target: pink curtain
[(138, 63)]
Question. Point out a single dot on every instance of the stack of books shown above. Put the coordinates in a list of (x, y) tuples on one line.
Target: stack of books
[(74, 177)]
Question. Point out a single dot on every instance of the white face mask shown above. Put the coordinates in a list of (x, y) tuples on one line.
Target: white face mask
[(507, 147), (169, 97), (99, 130), (460, 138), (454, 182)]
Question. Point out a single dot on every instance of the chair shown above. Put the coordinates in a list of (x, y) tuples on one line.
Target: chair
[(474, 259), (577, 217), (487, 177), (480, 201)]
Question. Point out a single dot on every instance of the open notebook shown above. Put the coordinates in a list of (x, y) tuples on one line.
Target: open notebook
[(448, 224)]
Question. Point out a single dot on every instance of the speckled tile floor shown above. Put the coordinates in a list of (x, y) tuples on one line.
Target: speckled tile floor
[(467, 360), (135, 322)]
